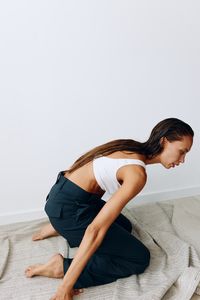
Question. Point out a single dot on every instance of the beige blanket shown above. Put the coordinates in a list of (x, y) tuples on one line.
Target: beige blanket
[(170, 230)]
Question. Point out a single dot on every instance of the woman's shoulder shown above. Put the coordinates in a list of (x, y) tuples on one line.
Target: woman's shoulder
[(132, 173), (133, 170)]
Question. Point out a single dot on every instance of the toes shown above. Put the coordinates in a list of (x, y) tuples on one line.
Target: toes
[(28, 272), (28, 269), (36, 236), (32, 270)]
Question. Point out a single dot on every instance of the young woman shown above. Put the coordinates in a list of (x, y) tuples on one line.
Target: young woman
[(107, 249)]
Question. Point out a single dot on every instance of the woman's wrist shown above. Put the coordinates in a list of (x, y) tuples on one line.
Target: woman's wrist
[(66, 284)]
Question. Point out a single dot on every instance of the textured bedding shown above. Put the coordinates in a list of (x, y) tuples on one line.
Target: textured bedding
[(170, 229)]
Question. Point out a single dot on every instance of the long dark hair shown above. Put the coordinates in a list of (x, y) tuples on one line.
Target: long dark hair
[(171, 128)]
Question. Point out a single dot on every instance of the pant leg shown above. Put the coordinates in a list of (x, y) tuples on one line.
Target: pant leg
[(120, 220), (120, 255), (124, 222)]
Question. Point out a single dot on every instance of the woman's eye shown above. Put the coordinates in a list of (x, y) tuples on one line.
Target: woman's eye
[(183, 152)]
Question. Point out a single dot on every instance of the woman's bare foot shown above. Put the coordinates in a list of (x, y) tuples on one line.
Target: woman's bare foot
[(53, 268), (46, 231)]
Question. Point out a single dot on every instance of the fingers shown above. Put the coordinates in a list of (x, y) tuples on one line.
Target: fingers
[(77, 291), (73, 293)]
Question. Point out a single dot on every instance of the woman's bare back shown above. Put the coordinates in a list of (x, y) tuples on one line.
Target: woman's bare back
[(84, 176)]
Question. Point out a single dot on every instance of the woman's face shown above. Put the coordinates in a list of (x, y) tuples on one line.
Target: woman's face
[(174, 152)]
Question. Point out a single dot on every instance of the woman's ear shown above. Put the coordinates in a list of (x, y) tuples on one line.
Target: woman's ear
[(163, 141)]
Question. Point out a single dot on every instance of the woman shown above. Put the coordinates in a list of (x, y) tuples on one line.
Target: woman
[(107, 249)]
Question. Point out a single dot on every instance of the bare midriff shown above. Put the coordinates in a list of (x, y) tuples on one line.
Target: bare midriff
[(84, 176)]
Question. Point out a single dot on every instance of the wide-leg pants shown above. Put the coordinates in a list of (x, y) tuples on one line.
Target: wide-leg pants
[(70, 210)]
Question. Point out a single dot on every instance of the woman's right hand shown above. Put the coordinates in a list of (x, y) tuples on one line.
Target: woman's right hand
[(65, 294)]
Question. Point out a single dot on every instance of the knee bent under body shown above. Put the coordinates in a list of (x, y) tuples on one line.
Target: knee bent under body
[(145, 260)]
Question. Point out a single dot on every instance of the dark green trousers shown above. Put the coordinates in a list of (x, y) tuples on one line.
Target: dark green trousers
[(70, 210)]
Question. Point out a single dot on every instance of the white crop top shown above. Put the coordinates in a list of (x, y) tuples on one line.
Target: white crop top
[(105, 169)]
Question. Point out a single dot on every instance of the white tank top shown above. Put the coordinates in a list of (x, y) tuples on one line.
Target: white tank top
[(105, 169)]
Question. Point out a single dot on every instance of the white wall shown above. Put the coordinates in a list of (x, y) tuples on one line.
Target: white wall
[(75, 74)]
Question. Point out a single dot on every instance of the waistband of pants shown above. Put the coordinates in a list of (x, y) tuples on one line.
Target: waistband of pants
[(74, 190)]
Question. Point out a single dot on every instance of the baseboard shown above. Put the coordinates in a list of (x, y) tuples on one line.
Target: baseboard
[(23, 216), (165, 195)]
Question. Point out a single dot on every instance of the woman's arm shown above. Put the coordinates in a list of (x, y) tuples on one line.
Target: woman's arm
[(95, 232)]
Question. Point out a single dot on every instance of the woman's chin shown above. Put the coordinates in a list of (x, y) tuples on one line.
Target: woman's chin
[(168, 166), (171, 165)]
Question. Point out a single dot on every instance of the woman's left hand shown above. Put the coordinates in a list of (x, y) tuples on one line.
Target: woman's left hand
[(64, 293)]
